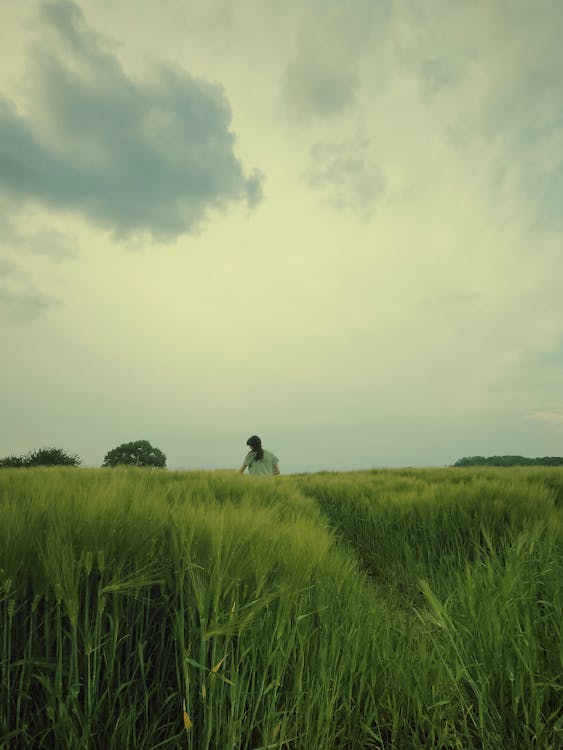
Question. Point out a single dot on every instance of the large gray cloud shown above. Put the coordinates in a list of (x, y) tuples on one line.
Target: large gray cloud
[(150, 156)]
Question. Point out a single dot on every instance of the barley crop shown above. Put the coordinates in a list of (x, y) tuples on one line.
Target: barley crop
[(208, 611)]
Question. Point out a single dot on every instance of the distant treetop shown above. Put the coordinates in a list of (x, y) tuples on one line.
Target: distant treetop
[(137, 453), (41, 457), (509, 461)]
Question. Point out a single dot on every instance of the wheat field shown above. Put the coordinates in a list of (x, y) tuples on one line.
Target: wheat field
[(204, 610)]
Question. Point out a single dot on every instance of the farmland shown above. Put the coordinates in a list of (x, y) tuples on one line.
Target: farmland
[(204, 610)]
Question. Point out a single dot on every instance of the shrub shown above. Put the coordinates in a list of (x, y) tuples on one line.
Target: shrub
[(11, 462), (51, 457), (42, 457)]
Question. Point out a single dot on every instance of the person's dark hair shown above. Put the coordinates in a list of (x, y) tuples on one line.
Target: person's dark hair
[(256, 444)]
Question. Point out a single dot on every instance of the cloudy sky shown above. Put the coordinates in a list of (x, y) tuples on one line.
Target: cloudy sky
[(336, 224)]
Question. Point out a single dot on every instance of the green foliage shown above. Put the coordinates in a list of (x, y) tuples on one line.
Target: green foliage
[(12, 462), (51, 457), (509, 461), (393, 609), (42, 457), (137, 453)]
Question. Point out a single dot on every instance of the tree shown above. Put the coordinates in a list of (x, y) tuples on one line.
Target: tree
[(42, 457), (12, 462), (509, 461), (471, 461), (138, 453), (51, 457)]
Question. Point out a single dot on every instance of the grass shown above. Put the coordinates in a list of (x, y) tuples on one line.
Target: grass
[(386, 609)]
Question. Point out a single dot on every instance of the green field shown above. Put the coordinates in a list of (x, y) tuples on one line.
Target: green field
[(386, 609)]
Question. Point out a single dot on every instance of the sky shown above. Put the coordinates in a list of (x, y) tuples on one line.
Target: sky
[(337, 225)]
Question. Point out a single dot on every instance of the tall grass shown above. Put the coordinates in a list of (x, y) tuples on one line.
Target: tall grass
[(144, 609)]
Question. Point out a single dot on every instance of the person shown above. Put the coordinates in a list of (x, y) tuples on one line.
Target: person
[(259, 461)]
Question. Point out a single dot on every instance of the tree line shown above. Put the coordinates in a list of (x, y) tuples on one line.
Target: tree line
[(509, 461), (142, 453), (136, 453)]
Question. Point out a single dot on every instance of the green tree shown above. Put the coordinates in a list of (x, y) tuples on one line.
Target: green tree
[(509, 461), (51, 457), (42, 457), (12, 462), (471, 461), (137, 453)]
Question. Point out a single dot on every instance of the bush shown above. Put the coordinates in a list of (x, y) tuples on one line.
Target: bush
[(51, 457), (137, 453), (41, 457), (11, 462)]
